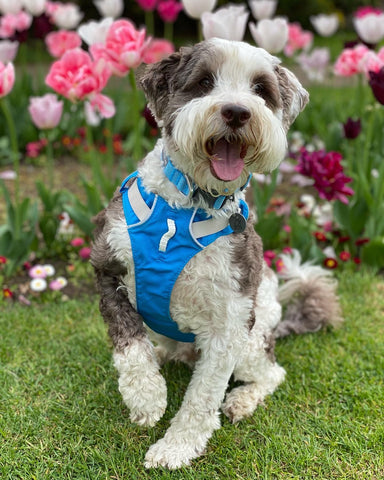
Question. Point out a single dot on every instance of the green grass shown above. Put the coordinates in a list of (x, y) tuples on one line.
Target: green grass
[(61, 416)]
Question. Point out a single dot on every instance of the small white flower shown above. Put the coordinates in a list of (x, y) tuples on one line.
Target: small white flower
[(63, 281), (38, 285), (49, 270)]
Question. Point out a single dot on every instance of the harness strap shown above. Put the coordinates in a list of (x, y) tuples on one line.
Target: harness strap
[(140, 208)]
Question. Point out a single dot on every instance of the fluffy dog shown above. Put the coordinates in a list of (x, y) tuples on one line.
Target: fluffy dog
[(176, 247)]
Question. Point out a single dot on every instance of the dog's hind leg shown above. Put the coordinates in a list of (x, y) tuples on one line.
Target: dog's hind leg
[(142, 386), (256, 367)]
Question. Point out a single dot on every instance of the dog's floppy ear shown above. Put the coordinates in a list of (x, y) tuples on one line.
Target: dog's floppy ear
[(293, 95), (156, 82)]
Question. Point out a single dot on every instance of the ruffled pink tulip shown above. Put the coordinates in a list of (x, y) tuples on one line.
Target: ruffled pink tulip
[(7, 78), (298, 39), (60, 42), (45, 111), (168, 10), (76, 76), (123, 48), (227, 22), (157, 50), (349, 61), (102, 105), (8, 51), (372, 62)]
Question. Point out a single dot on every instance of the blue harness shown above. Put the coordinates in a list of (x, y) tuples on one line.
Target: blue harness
[(163, 240)]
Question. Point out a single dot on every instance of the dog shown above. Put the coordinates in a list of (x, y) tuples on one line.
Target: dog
[(178, 264)]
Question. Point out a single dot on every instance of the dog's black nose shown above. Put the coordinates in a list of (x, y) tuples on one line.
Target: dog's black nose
[(235, 116)]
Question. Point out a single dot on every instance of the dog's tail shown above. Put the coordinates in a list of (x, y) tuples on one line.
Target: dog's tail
[(309, 297)]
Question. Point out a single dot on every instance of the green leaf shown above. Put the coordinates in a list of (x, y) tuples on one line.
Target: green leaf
[(373, 253)]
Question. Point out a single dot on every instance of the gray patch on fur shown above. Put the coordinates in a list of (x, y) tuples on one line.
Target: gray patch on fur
[(124, 323)]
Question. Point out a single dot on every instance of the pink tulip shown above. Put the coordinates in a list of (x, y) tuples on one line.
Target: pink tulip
[(45, 111), (147, 5), (363, 11), (123, 48), (103, 105), (372, 62), (157, 50), (7, 78), (12, 23), (168, 10), (59, 42), (8, 51), (298, 39), (350, 61), (76, 76)]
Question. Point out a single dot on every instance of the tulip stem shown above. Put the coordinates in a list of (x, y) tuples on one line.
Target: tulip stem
[(150, 22), (168, 31), (199, 31), (50, 162), (14, 145), (136, 117)]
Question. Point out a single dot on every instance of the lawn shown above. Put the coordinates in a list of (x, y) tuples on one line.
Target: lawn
[(61, 415)]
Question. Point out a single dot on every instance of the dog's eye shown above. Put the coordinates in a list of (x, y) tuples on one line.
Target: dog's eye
[(258, 89), (206, 83)]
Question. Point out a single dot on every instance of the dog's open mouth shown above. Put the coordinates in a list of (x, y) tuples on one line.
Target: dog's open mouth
[(227, 158)]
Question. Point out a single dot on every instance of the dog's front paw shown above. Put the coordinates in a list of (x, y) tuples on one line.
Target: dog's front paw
[(145, 397), (171, 455)]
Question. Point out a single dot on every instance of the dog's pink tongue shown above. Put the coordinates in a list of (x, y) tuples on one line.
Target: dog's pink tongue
[(226, 161)]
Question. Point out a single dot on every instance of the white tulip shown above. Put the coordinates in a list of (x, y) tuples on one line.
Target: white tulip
[(196, 8), (67, 16), (35, 7), (272, 35), (370, 28), (109, 8), (10, 6), (263, 8), (228, 23), (325, 25), (95, 32)]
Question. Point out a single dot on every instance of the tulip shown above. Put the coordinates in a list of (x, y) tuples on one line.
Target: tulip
[(352, 128), (370, 28), (363, 11), (35, 7), (7, 78), (315, 63), (168, 10), (67, 16), (325, 25), (147, 5), (376, 82), (95, 32), (109, 8), (11, 6), (123, 47), (157, 50), (227, 22), (272, 35), (45, 111), (59, 42), (8, 50), (263, 8), (297, 39), (350, 61), (196, 8)]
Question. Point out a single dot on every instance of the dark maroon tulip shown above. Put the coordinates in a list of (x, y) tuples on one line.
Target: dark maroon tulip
[(147, 114), (376, 81), (352, 128)]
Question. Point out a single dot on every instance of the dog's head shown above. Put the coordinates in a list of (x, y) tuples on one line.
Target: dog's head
[(224, 108)]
